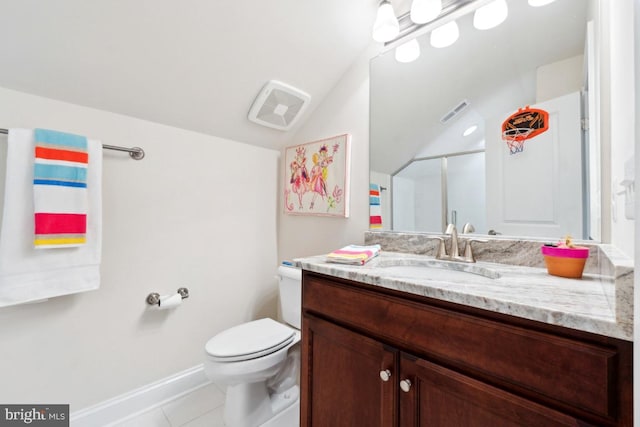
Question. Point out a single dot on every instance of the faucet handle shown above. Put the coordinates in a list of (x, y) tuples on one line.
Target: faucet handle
[(441, 252), (451, 228), (468, 253), (468, 228)]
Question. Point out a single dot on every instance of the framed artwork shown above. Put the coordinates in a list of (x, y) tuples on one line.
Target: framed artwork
[(316, 178)]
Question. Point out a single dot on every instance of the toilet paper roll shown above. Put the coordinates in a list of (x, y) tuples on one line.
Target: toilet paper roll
[(170, 301)]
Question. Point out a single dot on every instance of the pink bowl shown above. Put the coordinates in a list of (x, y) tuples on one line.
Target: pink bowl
[(577, 252)]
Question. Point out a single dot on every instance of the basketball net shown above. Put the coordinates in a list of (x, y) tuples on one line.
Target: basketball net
[(515, 138)]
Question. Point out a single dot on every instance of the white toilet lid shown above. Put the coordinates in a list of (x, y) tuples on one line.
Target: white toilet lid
[(249, 340)]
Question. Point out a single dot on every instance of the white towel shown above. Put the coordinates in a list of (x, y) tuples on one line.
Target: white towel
[(28, 274)]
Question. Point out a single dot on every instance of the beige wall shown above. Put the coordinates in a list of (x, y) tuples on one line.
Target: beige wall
[(345, 110), (198, 211)]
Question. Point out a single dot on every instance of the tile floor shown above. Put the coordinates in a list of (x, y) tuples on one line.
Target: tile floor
[(200, 408)]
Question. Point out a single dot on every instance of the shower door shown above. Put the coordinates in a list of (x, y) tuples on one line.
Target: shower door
[(430, 193)]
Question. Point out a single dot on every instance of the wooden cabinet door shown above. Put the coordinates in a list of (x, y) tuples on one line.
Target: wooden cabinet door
[(341, 383), (439, 397)]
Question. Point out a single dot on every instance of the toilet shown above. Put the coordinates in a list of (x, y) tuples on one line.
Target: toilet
[(259, 361)]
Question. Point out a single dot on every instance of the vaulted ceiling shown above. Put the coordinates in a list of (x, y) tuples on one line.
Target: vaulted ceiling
[(193, 64)]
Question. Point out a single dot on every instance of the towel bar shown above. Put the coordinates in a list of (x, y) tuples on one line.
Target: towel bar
[(136, 153)]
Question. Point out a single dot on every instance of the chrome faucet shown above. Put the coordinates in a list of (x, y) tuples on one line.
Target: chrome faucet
[(468, 254), (454, 250)]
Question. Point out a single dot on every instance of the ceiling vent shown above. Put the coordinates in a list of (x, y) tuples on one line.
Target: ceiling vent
[(278, 105), (454, 111)]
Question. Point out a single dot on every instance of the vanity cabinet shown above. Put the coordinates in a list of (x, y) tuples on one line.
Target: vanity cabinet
[(379, 357)]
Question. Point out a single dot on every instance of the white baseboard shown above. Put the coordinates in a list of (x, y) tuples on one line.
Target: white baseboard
[(140, 400)]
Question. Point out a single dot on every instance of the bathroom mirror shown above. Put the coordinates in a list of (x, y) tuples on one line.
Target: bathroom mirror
[(431, 175)]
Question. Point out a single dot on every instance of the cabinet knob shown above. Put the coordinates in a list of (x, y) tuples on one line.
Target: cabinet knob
[(385, 375), (405, 385)]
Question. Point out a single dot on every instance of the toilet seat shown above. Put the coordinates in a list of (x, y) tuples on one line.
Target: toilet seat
[(249, 341)]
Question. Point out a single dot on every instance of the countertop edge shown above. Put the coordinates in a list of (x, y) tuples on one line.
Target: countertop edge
[(610, 324)]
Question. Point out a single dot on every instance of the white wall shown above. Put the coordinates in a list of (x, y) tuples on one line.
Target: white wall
[(198, 211), (344, 110), (559, 78), (621, 109)]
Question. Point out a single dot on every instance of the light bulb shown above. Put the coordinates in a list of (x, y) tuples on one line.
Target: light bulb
[(386, 26), (423, 11), (445, 35), (490, 15), (538, 3), (408, 52), (471, 129)]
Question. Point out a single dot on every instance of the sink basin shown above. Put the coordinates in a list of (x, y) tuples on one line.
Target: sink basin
[(437, 270)]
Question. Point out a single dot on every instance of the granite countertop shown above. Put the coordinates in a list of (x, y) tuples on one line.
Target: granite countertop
[(598, 303)]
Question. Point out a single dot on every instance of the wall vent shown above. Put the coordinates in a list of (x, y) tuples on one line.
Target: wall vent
[(454, 111), (278, 105)]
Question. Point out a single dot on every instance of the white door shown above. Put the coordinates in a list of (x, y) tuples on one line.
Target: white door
[(537, 192)]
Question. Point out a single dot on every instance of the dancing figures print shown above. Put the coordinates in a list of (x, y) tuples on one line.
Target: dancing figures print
[(317, 177)]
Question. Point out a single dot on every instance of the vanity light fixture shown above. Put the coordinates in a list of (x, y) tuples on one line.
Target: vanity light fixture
[(408, 52), (538, 3), (423, 11), (471, 129), (445, 35), (386, 27), (490, 15)]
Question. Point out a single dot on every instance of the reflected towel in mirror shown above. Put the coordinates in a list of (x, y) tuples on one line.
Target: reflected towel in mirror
[(375, 211)]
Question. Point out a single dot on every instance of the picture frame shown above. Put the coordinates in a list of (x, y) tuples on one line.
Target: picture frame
[(316, 177)]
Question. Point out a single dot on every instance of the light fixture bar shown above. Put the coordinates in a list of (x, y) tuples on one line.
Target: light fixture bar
[(423, 11), (451, 12), (539, 3)]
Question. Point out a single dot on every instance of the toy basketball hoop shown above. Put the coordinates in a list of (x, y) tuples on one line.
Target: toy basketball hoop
[(522, 125), (515, 138)]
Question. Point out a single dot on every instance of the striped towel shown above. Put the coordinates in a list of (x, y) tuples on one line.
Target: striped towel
[(354, 254), (375, 211), (60, 189)]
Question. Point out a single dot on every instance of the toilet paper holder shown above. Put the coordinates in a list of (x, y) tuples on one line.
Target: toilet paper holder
[(154, 297)]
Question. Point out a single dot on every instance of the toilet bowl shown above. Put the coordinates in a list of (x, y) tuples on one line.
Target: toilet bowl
[(258, 362)]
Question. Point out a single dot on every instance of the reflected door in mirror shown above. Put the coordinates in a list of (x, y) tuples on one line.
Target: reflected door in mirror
[(538, 192)]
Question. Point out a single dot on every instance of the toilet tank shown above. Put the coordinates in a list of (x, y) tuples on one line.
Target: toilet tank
[(291, 295)]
